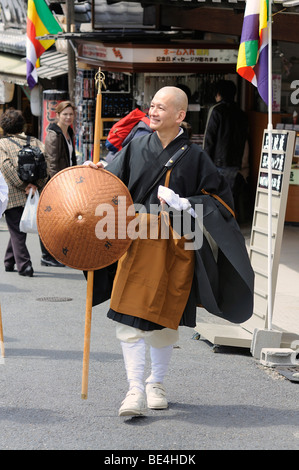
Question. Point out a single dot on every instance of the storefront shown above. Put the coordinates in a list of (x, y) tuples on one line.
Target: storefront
[(133, 73), (15, 92), (223, 20)]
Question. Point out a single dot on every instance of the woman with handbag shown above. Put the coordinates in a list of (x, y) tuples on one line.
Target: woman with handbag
[(13, 124)]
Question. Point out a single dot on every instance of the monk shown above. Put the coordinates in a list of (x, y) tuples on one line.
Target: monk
[(222, 278)]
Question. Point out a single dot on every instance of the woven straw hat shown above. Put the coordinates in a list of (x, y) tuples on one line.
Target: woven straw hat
[(82, 217)]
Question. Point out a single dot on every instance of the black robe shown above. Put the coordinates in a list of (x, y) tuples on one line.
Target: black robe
[(223, 287)]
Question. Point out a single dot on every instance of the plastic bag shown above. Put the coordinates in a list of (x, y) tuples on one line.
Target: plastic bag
[(3, 194), (28, 222)]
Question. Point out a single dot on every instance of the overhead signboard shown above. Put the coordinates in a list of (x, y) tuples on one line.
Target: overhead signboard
[(171, 55)]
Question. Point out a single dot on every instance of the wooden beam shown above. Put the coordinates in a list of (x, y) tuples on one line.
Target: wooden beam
[(211, 20), (285, 27), (225, 21)]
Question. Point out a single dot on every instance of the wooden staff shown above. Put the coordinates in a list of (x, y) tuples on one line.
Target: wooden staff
[(1, 335), (88, 310), (100, 80)]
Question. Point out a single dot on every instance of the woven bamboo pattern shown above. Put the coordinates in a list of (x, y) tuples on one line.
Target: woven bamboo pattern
[(82, 217)]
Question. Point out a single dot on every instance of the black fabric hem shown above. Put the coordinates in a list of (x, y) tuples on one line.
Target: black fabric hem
[(135, 322)]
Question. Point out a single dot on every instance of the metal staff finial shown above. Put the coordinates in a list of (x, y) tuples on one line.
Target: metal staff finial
[(100, 80)]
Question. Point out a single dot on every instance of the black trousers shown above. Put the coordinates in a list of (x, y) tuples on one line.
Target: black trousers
[(16, 251), (45, 254)]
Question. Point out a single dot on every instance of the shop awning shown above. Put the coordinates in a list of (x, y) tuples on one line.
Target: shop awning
[(52, 64), (13, 69)]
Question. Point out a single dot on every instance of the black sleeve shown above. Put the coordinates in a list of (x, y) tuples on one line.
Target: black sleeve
[(212, 183)]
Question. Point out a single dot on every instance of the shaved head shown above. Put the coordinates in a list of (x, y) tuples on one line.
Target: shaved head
[(178, 97), (167, 110)]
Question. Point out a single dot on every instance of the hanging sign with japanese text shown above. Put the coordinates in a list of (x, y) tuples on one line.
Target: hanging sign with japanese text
[(169, 55)]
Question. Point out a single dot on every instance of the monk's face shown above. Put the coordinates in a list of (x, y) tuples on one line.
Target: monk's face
[(166, 111)]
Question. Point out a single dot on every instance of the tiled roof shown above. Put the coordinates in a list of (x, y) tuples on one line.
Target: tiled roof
[(124, 13), (52, 64), (13, 13), (13, 41)]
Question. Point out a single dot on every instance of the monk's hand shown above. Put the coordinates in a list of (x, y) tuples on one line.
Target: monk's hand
[(166, 195), (96, 166), (172, 199)]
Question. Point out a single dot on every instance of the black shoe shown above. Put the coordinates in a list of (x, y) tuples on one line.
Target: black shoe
[(9, 269), (51, 262), (28, 271)]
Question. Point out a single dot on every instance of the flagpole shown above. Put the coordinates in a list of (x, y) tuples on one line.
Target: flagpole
[(270, 129)]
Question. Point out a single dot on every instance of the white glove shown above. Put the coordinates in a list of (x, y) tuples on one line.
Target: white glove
[(173, 199)]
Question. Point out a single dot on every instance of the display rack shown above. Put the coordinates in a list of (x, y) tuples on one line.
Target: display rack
[(116, 102), (85, 106), (107, 123)]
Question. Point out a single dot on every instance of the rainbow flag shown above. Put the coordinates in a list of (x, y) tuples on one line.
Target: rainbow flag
[(252, 61), (40, 22)]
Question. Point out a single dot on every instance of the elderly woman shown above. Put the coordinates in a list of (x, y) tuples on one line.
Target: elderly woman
[(13, 124)]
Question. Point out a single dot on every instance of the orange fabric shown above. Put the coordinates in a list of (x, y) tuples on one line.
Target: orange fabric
[(221, 201), (154, 277)]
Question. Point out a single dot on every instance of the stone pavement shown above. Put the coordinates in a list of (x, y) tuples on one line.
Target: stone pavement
[(216, 401), (286, 302)]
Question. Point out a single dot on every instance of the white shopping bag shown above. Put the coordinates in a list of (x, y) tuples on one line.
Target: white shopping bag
[(3, 194), (28, 222)]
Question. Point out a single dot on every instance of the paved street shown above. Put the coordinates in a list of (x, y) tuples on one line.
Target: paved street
[(217, 401)]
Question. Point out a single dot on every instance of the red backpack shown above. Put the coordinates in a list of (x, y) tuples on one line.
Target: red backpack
[(122, 128)]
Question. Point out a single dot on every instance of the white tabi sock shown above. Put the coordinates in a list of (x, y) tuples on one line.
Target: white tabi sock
[(134, 357), (160, 358)]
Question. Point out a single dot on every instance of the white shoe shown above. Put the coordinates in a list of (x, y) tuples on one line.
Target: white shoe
[(133, 405), (156, 399)]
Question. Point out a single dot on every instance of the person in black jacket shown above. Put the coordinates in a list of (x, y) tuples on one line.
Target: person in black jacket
[(226, 132), (59, 142)]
